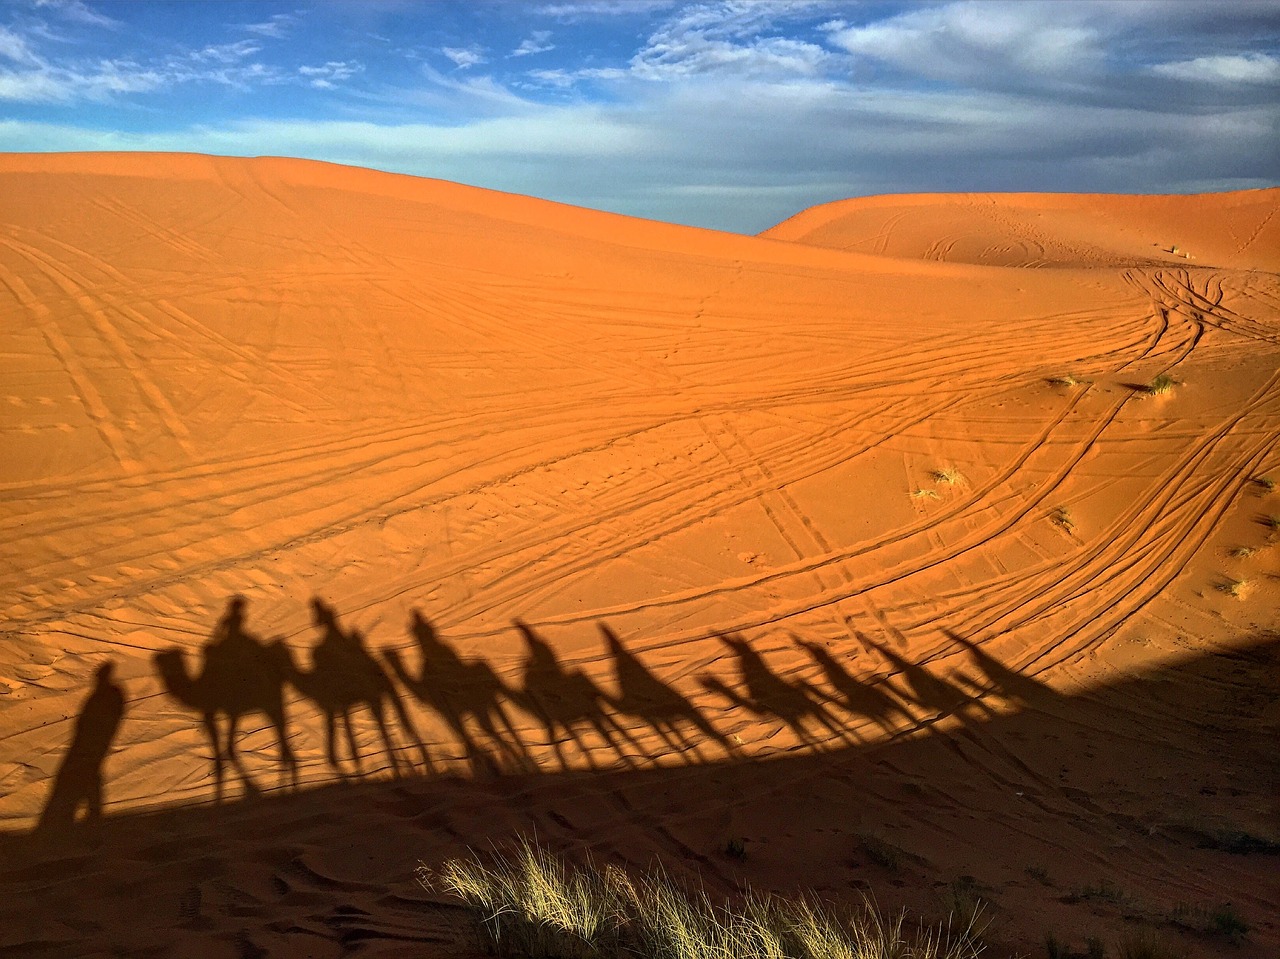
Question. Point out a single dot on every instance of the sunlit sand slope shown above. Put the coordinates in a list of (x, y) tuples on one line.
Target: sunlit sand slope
[(576, 493), (1237, 230)]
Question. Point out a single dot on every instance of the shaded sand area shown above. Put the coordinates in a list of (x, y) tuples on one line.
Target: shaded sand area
[(866, 544)]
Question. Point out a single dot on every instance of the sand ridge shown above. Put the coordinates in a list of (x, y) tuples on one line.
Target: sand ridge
[(625, 530)]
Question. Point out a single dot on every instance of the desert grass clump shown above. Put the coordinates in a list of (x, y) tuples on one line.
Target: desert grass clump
[(1161, 385), (1272, 522), (923, 493), (949, 475), (1265, 483), (1243, 552), (1068, 380), (529, 904), (1062, 518), (1236, 588), (1142, 945)]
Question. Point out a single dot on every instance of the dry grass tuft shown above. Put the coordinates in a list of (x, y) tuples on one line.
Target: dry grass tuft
[(1236, 588), (1161, 385), (949, 475), (530, 904)]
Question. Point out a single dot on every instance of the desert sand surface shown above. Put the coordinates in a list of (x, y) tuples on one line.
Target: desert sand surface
[(864, 543)]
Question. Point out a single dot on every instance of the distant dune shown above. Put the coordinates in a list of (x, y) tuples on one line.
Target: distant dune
[(925, 544), (1230, 230)]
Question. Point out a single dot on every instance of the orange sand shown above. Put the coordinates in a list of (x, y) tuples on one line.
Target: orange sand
[(643, 532)]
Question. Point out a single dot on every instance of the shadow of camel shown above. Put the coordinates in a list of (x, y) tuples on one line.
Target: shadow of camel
[(79, 780), (563, 700), (643, 696), (344, 675), (461, 692), (853, 695), (239, 675), (768, 694)]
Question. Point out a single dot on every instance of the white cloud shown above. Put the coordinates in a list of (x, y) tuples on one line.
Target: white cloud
[(1241, 68), (604, 8), (985, 43), (328, 75), (562, 78), (464, 57), (275, 27), (15, 48), (223, 52), (537, 43), (76, 11)]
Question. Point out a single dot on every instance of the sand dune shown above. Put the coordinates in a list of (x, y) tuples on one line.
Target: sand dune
[(861, 535), (1227, 230)]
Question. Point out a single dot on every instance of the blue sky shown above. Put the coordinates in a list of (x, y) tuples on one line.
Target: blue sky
[(721, 113)]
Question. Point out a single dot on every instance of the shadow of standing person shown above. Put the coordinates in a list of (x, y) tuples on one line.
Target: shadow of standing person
[(79, 779)]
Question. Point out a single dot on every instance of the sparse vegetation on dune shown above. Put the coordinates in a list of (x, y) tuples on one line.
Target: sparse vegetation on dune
[(1062, 517), (1236, 588), (949, 475), (1068, 380), (528, 903), (1162, 384)]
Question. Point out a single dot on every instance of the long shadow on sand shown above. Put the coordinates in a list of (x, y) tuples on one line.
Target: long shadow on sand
[(1077, 786), (79, 779)]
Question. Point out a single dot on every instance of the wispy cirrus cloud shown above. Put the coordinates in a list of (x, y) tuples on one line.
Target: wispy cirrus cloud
[(76, 11), (327, 76), (538, 42), (465, 57), (275, 27)]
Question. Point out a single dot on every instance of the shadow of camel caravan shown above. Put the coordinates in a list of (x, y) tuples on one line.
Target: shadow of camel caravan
[(239, 675)]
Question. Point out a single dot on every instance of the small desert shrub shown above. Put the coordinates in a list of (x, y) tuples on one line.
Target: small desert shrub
[(1225, 921), (1243, 552), (529, 904), (1039, 874), (881, 852), (1062, 517), (1066, 379), (1272, 521), (1267, 484), (925, 494), (1104, 891), (1160, 385), (1236, 588), (949, 475), (1142, 945), (1221, 920)]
